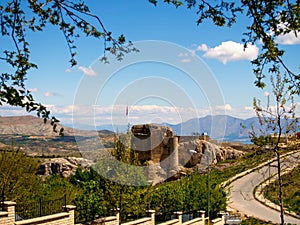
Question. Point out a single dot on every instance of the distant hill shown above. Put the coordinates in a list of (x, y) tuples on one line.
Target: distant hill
[(31, 125), (221, 127)]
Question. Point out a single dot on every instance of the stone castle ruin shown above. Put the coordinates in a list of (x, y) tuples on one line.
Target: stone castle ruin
[(166, 154)]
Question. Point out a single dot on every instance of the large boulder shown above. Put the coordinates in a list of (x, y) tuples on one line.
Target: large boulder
[(64, 167), (200, 152)]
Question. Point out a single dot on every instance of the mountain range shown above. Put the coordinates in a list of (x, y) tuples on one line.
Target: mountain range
[(220, 127)]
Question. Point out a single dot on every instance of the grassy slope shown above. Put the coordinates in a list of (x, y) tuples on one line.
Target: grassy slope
[(254, 221), (291, 191)]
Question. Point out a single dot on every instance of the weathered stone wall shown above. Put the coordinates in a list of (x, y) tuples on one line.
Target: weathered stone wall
[(166, 156), (151, 142), (8, 217), (159, 145), (110, 220)]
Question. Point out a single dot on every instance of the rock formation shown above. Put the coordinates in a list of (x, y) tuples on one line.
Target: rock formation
[(194, 152), (64, 167), (168, 157), (163, 155)]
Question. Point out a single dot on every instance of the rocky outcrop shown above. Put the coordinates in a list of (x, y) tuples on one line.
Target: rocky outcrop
[(194, 152), (64, 167)]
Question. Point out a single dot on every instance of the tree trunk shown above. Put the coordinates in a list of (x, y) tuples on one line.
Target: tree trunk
[(280, 188)]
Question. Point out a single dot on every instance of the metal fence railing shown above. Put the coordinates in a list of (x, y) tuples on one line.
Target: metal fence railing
[(39, 208), (189, 215), (161, 217), (2, 201)]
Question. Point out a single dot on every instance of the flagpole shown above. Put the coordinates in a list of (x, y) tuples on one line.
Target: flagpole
[(127, 116)]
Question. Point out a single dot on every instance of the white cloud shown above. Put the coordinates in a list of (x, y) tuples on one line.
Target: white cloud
[(50, 94), (87, 71), (96, 115), (139, 114), (230, 51), (68, 70), (185, 60), (223, 107), (33, 89), (186, 57), (202, 47), (288, 39)]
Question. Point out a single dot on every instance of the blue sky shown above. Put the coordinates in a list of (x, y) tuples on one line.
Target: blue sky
[(220, 50)]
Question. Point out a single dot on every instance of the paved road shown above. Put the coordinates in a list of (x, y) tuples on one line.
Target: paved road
[(241, 193)]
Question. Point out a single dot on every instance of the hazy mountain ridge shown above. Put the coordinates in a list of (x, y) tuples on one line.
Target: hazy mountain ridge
[(221, 127), (31, 125), (218, 127)]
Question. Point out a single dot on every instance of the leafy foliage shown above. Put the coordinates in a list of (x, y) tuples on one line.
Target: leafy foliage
[(109, 181), (19, 182), (17, 176), (118, 182), (268, 20), (20, 18), (91, 203), (280, 120), (187, 194)]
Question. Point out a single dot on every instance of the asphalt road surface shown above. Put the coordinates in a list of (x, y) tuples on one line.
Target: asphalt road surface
[(241, 193)]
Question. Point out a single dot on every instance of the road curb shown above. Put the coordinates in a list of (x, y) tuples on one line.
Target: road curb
[(226, 184), (242, 174), (258, 194)]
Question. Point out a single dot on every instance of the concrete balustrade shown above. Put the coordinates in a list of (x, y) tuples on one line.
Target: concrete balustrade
[(7, 217)]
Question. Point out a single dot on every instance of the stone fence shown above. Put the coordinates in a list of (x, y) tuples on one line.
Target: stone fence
[(7, 217), (150, 220)]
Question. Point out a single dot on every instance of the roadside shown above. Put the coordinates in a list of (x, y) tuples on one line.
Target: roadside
[(258, 193), (226, 183), (241, 190)]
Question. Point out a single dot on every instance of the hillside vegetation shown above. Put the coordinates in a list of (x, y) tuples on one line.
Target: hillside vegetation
[(291, 191)]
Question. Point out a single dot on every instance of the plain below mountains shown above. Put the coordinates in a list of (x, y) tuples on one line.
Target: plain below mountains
[(220, 127)]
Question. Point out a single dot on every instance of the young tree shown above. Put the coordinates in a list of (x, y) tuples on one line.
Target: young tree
[(276, 122), (123, 178), (118, 185), (18, 181), (268, 20)]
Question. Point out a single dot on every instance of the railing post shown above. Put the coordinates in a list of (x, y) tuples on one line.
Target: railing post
[(71, 210), (178, 216), (40, 207), (117, 215), (151, 213), (222, 214), (9, 207), (202, 215)]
